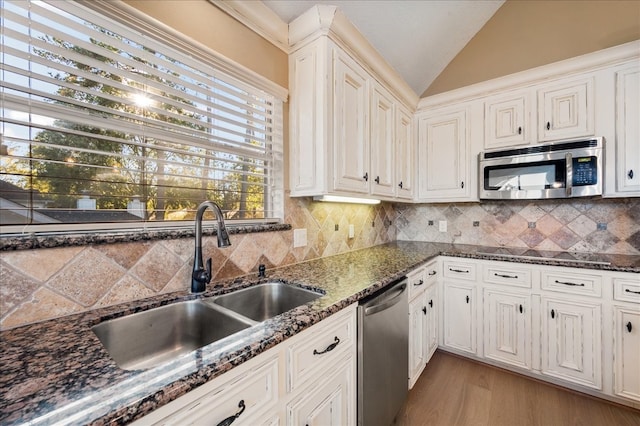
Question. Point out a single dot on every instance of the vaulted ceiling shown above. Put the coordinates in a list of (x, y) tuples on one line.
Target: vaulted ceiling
[(417, 37)]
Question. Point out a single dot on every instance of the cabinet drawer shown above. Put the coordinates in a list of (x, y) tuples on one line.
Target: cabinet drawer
[(507, 275), (460, 270), (315, 353), (431, 273), (627, 289), (572, 282), (253, 393), (417, 282)]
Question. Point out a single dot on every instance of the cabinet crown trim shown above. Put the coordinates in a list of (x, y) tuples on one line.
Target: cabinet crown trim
[(579, 64), (326, 20)]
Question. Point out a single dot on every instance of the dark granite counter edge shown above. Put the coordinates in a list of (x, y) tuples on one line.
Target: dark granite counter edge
[(36, 241)]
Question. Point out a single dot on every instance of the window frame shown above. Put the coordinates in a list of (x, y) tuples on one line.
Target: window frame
[(141, 25)]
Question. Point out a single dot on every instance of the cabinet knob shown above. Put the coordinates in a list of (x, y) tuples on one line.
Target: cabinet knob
[(462, 185), (629, 327), (424, 310), (519, 130), (400, 184), (377, 179), (630, 174), (431, 303), (548, 125), (366, 177)]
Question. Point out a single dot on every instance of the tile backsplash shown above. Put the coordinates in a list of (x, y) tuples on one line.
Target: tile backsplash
[(48, 283), (584, 225)]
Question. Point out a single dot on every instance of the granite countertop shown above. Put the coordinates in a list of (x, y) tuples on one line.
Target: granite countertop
[(58, 371)]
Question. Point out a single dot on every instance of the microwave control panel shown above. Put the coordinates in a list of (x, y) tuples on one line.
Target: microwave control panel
[(585, 171)]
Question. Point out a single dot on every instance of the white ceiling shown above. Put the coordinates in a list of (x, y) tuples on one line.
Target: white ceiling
[(417, 37)]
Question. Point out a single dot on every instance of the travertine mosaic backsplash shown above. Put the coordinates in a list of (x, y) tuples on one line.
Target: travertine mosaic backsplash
[(600, 226), (48, 283)]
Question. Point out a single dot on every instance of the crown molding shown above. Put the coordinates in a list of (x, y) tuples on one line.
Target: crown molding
[(579, 64), (259, 18), (326, 20)]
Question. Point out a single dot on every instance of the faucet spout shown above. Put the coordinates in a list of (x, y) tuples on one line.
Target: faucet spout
[(201, 275)]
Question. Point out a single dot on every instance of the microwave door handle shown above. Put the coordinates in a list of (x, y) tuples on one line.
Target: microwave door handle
[(569, 179)]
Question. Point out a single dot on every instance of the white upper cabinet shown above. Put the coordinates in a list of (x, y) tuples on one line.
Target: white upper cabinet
[(628, 130), (350, 113), (443, 152), (350, 118), (404, 154), (566, 110), (507, 120), (382, 142)]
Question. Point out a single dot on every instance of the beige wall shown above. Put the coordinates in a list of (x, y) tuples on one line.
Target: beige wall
[(207, 24), (524, 34)]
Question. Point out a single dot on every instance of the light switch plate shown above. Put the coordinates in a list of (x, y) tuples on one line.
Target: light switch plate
[(352, 231), (300, 237), (442, 225)]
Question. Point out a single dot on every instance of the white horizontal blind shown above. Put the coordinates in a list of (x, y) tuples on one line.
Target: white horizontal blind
[(103, 124)]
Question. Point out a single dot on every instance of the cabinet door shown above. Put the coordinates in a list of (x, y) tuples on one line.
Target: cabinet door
[(328, 403), (351, 134), (627, 353), (507, 121), (405, 158), (571, 342), (628, 130), (566, 111), (431, 339), (459, 317), (443, 147), (382, 143), (417, 338), (507, 325)]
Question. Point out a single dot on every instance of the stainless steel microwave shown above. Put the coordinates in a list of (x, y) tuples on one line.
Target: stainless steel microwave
[(556, 170)]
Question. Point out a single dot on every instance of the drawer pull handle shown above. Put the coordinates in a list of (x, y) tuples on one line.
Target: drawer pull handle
[(459, 270), (630, 174), (329, 348), (424, 310), (631, 291), (366, 177), (467, 299), (400, 184), (521, 309), (568, 283), (432, 273), (418, 283), (553, 313), (629, 327), (231, 419), (431, 303), (505, 275)]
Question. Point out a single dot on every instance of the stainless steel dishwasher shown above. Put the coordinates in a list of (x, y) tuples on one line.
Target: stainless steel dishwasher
[(383, 358)]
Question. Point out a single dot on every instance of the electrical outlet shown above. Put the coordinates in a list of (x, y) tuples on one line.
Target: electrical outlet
[(300, 237), (352, 231), (442, 225)]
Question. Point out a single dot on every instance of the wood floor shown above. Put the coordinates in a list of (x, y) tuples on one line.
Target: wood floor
[(456, 391)]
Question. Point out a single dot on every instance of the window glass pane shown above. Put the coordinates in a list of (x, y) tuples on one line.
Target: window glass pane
[(100, 125)]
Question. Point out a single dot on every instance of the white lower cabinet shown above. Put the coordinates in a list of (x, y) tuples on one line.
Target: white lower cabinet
[(459, 305), (423, 318), (571, 348), (328, 403), (627, 352), (318, 365), (507, 327)]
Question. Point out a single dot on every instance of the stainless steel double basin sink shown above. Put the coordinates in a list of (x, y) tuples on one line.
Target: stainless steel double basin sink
[(150, 338)]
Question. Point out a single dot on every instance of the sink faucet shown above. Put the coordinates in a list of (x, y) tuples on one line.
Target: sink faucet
[(201, 275)]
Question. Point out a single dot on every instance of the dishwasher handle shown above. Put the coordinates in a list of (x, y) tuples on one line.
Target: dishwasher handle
[(390, 298)]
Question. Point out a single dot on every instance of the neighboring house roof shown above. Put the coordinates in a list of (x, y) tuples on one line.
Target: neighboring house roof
[(15, 193)]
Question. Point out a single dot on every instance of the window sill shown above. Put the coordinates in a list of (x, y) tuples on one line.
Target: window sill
[(51, 240)]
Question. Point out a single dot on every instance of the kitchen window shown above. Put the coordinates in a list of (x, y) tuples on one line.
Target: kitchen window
[(107, 125)]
